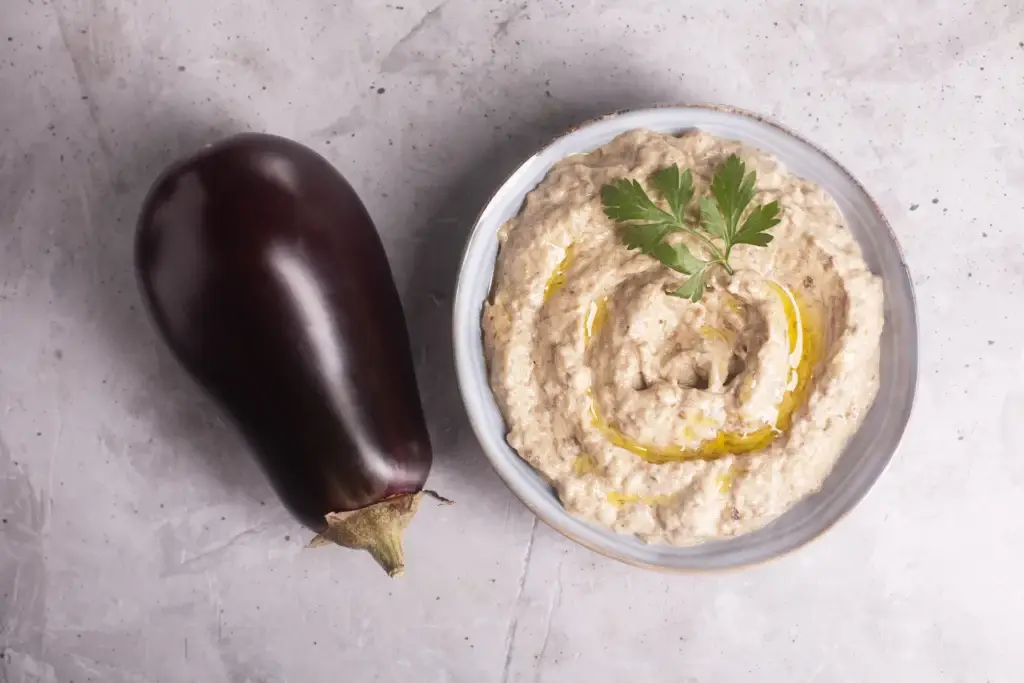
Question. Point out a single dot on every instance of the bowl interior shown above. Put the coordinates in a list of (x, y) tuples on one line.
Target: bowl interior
[(866, 454)]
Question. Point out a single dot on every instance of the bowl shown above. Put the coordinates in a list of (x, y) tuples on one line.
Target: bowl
[(865, 455)]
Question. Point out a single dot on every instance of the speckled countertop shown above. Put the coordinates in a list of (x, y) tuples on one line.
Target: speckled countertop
[(139, 542)]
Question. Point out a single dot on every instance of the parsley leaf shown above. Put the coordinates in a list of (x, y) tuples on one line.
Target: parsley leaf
[(678, 258), (676, 188), (645, 237), (733, 189), (711, 218), (693, 288), (647, 225), (648, 239), (755, 228), (625, 200)]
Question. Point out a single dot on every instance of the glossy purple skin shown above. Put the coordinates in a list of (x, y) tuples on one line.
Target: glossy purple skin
[(269, 282)]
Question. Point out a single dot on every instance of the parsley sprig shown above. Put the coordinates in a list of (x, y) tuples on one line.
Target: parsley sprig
[(721, 217)]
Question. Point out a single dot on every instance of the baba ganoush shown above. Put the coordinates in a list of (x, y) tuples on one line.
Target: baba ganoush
[(654, 415)]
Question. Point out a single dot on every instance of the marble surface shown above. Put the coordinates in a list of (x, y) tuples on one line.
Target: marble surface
[(139, 542)]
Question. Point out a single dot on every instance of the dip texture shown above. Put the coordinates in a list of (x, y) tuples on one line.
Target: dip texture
[(657, 416)]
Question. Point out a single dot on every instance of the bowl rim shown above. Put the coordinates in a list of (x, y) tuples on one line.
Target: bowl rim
[(477, 427)]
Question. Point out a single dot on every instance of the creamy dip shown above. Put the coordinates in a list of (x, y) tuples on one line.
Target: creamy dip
[(657, 416)]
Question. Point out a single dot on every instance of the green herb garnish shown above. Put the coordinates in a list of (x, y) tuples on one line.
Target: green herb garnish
[(647, 224)]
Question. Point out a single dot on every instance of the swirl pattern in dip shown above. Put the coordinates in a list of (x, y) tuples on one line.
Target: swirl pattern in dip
[(653, 415)]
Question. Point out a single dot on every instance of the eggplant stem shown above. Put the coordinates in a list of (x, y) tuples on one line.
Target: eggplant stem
[(376, 529)]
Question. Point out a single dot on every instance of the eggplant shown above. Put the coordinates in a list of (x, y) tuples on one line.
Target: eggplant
[(268, 281)]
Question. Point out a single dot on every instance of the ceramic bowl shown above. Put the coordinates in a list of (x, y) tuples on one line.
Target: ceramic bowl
[(866, 454)]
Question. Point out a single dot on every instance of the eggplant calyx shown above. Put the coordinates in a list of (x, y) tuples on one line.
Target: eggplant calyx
[(376, 529)]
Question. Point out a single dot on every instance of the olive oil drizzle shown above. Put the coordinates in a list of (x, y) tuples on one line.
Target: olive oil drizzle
[(560, 277), (805, 339)]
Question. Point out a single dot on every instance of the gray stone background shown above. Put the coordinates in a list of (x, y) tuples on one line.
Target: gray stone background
[(139, 542)]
